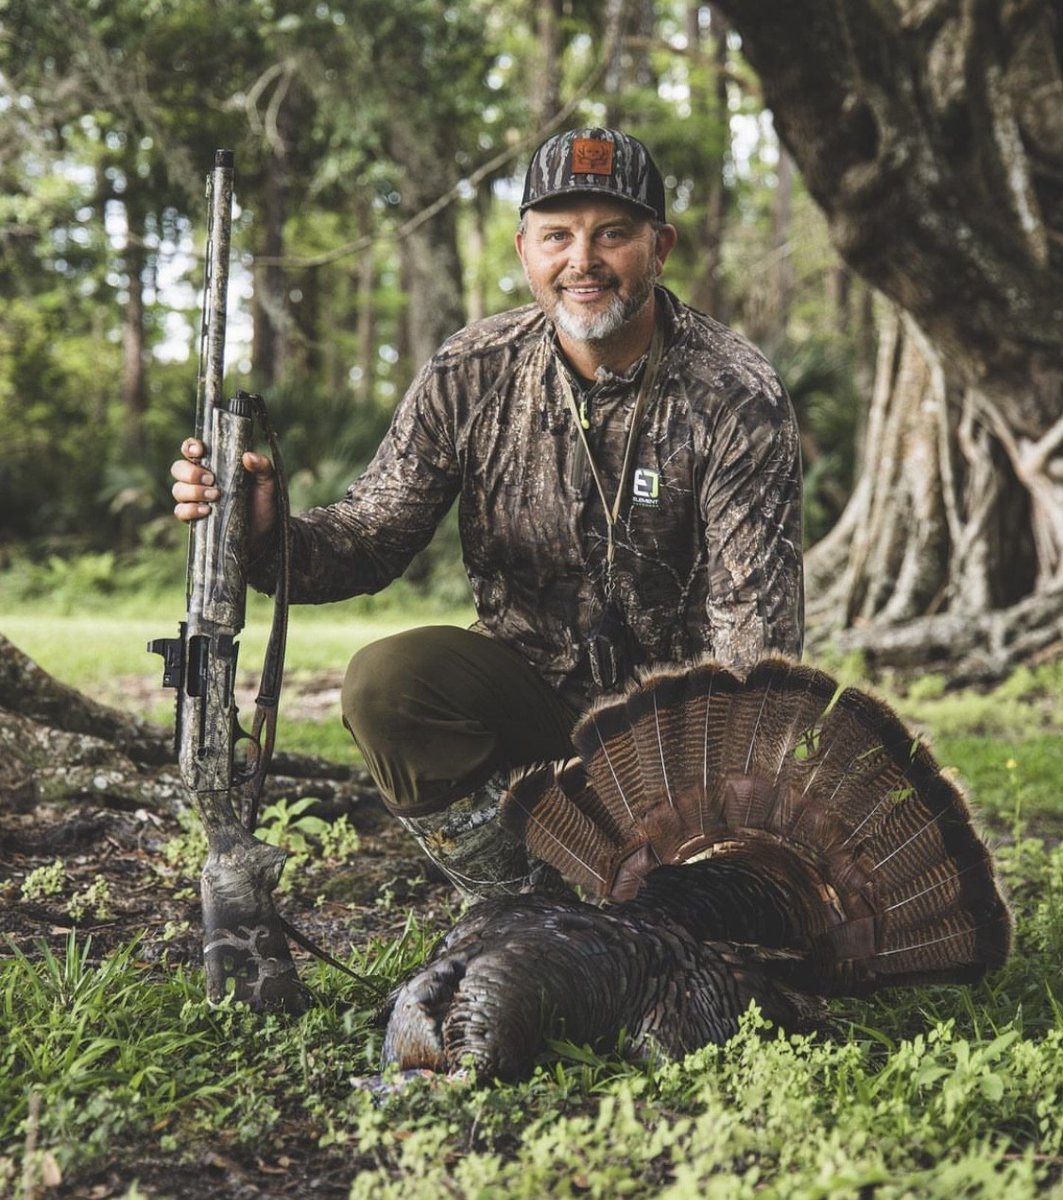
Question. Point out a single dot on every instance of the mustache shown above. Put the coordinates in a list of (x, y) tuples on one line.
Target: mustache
[(596, 278)]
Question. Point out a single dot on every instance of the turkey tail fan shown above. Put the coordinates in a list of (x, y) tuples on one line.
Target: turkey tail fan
[(673, 767), (813, 815), (562, 821), (623, 803)]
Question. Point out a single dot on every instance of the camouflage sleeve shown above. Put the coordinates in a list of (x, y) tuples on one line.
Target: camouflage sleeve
[(751, 507), (361, 543)]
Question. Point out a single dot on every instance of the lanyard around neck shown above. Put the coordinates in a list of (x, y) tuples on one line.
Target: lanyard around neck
[(649, 379)]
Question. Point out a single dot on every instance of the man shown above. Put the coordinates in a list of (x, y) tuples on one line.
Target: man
[(628, 479)]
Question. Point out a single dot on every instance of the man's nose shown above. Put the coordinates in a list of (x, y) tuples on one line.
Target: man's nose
[(583, 253)]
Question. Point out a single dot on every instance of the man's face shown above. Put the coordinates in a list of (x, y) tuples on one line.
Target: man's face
[(591, 263)]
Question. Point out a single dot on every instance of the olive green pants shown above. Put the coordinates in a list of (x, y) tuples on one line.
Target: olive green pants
[(441, 716)]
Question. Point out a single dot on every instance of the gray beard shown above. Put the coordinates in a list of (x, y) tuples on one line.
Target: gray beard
[(600, 327)]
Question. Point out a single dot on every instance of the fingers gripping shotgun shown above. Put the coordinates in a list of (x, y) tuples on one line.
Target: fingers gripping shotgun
[(245, 949)]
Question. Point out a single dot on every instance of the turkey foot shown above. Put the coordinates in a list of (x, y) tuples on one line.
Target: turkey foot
[(245, 951)]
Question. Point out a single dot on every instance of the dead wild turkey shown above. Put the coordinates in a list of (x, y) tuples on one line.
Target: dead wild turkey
[(761, 838)]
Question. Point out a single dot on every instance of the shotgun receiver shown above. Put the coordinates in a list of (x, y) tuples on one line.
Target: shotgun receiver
[(245, 949)]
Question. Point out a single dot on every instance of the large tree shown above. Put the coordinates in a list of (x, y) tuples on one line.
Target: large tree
[(930, 132)]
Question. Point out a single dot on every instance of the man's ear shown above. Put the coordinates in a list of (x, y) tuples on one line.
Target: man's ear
[(667, 236)]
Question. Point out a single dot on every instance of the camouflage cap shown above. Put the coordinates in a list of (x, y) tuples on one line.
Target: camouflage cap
[(605, 161)]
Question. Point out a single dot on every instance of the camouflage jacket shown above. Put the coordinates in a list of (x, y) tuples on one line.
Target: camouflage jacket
[(708, 540)]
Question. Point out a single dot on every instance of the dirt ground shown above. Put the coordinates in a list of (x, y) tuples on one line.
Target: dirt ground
[(126, 850)]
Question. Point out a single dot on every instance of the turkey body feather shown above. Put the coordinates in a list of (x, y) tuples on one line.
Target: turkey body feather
[(768, 837), (518, 972)]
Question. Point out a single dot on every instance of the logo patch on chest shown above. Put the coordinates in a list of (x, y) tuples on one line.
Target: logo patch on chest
[(646, 487)]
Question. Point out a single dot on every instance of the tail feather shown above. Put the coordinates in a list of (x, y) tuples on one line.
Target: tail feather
[(779, 704), (825, 792), (562, 822), (611, 761)]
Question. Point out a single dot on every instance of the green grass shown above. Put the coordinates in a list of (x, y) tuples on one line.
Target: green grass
[(1004, 745), (90, 650), (88, 619), (939, 1093), (98, 1054), (104, 653), (931, 1092)]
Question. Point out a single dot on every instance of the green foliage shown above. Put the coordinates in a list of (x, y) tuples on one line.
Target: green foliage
[(102, 1051), (186, 853), (50, 881), (1003, 744), (819, 375), (291, 825), (97, 583), (294, 827), (932, 1092), (116, 110), (44, 881), (51, 385), (93, 901)]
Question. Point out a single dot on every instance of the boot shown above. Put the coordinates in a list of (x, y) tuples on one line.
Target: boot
[(475, 853)]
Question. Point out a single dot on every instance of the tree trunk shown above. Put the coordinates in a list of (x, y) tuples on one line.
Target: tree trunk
[(931, 137), (938, 523), (363, 389), (708, 104), (477, 251), (134, 375), (432, 267), (268, 306), (772, 295), (546, 82)]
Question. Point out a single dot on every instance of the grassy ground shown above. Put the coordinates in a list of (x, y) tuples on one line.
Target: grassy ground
[(117, 1080), (104, 653)]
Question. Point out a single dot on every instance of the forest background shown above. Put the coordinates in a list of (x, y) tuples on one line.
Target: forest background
[(876, 202)]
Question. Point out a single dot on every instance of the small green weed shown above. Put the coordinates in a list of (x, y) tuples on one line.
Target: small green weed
[(290, 825), (45, 881), (339, 839), (50, 881), (293, 826), (186, 853), (94, 900)]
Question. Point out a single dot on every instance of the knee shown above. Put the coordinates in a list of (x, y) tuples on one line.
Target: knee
[(384, 685), (371, 685)]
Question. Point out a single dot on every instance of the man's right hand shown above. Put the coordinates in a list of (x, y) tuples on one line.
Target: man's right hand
[(194, 488)]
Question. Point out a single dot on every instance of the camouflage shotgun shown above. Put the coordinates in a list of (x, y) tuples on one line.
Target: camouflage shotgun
[(245, 950)]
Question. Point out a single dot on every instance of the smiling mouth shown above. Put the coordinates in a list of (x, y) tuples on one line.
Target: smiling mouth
[(586, 291)]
